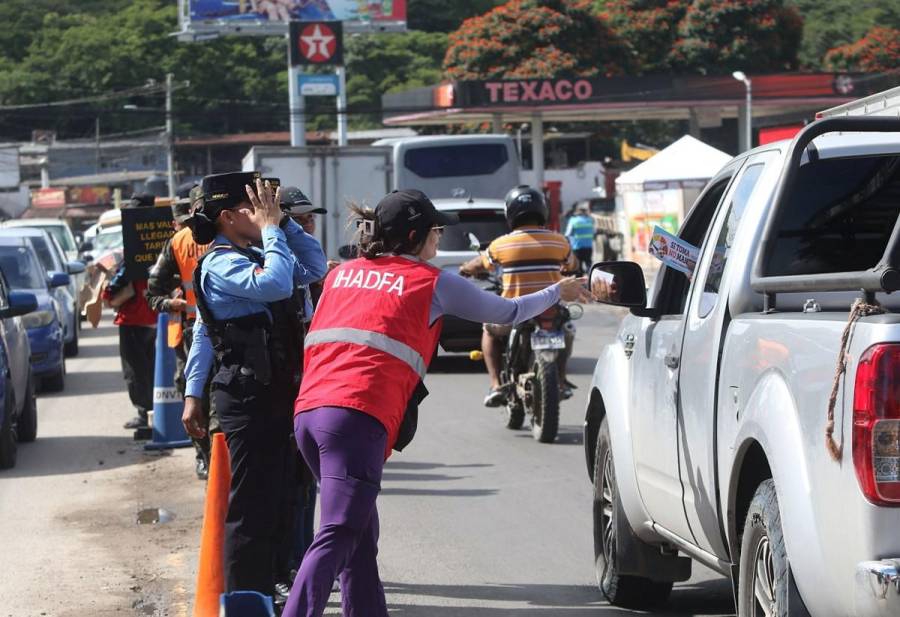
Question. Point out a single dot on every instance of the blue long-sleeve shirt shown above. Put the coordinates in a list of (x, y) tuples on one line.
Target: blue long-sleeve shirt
[(235, 286)]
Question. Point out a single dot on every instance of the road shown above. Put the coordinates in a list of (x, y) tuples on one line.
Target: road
[(477, 520)]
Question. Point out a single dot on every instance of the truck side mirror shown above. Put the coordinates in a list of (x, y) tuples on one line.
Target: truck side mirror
[(58, 279), (619, 283)]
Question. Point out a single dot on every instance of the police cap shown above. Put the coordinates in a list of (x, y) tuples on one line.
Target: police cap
[(294, 201)]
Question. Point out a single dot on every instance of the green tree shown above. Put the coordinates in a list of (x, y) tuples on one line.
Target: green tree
[(878, 51), (389, 63), (831, 24), (649, 29), (535, 39), (719, 36), (443, 16)]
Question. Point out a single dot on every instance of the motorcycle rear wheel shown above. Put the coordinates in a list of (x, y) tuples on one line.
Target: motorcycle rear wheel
[(545, 416)]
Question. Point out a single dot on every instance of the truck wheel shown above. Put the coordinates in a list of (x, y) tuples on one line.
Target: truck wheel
[(28, 418), (8, 429), (763, 585), (545, 419), (627, 591)]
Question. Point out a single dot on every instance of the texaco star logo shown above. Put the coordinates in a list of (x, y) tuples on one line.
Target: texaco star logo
[(317, 43)]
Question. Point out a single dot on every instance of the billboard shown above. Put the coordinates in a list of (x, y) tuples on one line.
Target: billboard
[(266, 17)]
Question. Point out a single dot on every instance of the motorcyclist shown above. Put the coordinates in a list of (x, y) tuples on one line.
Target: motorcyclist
[(530, 258)]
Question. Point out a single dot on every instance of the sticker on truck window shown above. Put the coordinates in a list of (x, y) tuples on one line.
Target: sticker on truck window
[(673, 251)]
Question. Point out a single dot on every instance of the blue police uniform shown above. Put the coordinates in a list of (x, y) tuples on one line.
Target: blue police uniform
[(249, 335)]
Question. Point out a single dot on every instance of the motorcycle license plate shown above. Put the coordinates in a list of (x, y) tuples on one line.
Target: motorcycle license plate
[(547, 340)]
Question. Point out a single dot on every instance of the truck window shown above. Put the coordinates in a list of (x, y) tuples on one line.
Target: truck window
[(838, 217), (447, 161), (486, 225), (724, 242), (673, 292)]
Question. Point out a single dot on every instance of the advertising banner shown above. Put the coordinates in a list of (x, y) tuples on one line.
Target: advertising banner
[(48, 198), (144, 233), (352, 11)]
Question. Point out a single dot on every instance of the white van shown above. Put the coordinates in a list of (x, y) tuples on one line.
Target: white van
[(460, 166)]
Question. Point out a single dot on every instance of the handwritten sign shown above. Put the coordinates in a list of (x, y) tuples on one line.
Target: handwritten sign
[(144, 234)]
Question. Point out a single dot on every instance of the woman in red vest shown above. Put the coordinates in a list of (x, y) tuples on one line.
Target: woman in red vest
[(374, 331)]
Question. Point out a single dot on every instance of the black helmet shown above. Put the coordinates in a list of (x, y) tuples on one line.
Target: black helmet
[(525, 201)]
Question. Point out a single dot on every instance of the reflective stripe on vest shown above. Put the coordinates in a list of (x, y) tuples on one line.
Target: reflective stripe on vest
[(375, 340)]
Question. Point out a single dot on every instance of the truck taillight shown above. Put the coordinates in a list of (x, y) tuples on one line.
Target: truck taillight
[(876, 424)]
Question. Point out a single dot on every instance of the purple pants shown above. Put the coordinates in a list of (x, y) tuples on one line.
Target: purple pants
[(345, 451)]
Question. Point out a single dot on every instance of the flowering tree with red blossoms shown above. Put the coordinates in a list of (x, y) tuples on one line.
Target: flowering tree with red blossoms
[(533, 39), (720, 36), (878, 51)]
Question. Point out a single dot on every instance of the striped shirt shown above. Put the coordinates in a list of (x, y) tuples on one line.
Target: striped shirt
[(530, 259)]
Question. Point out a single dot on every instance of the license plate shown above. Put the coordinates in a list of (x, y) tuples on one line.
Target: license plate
[(547, 340)]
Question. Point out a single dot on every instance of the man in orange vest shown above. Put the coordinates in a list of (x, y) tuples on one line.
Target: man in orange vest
[(170, 289)]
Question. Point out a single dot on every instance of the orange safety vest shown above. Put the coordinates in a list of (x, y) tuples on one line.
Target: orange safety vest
[(186, 253)]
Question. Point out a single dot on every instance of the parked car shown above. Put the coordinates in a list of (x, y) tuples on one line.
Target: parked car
[(53, 260), (18, 408), (107, 239), (61, 232), (482, 220), (708, 435), (23, 272)]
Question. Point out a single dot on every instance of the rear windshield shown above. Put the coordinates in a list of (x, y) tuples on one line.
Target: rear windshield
[(484, 225), (452, 161), (838, 217), (21, 269)]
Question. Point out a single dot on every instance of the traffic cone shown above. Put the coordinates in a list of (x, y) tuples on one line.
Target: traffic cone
[(168, 431), (210, 573)]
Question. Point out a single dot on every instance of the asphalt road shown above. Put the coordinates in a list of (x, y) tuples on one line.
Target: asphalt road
[(477, 520)]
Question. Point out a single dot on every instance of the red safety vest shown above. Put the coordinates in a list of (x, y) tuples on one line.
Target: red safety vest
[(370, 342)]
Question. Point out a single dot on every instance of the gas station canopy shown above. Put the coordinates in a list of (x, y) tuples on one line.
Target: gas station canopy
[(704, 100)]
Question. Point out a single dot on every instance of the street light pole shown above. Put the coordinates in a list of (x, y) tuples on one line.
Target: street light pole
[(170, 138), (748, 107)]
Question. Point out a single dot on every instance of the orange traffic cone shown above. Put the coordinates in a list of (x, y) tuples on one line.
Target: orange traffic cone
[(210, 574)]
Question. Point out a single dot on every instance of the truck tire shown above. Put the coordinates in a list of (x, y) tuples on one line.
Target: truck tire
[(8, 429), (765, 572), (28, 422), (545, 418), (635, 592), (515, 415)]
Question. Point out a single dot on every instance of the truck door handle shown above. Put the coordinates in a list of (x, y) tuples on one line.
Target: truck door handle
[(672, 361)]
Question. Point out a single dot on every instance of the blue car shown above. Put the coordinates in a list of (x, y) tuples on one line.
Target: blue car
[(24, 272), (53, 259), (18, 409)]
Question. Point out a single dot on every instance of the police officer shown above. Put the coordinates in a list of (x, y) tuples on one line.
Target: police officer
[(249, 331)]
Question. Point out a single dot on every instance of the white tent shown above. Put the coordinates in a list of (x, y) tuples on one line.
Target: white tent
[(661, 190), (686, 163)]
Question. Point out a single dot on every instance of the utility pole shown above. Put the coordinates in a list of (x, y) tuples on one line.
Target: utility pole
[(170, 137), (295, 103), (342, 106), (97, 145)]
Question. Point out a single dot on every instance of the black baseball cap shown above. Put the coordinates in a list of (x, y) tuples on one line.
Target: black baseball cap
[(224, 191), (400, 212), (294, 201)]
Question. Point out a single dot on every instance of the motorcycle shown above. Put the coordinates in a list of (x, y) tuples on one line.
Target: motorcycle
[(530, 374)]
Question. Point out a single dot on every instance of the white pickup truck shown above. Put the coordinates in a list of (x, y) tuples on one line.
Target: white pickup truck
[(706, 426)]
